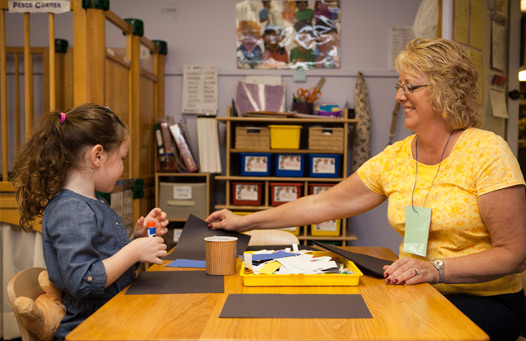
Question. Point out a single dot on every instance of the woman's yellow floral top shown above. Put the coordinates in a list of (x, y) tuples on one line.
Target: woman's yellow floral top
[(480, 162)]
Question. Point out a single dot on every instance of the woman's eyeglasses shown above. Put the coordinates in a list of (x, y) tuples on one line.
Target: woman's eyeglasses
[(408, 88)]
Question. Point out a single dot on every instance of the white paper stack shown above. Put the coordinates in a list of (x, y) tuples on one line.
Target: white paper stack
[(208, 144)]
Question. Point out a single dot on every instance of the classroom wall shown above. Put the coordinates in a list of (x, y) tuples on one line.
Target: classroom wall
[(203, 32)]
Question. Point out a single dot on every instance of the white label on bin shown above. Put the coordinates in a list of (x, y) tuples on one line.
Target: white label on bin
[(285, 193), (289, 162), (256, 164), (330, 225), (247, 192), (182, 192), (323, 165)]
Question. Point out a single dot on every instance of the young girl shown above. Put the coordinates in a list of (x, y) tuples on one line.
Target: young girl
[(87, 252)]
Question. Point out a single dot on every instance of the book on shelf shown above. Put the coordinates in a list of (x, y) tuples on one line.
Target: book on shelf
[(167, 158), (169, 146), (208, 143), (183, 145), (159, 139)]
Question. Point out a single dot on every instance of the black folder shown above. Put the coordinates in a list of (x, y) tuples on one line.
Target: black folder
[(370, 264)]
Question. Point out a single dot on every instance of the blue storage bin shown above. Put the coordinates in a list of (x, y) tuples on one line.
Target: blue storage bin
[(289, 164), (255, 164), (324, 165)]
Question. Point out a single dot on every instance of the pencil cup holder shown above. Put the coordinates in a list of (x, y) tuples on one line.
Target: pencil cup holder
[(220, 255), (303, 107)]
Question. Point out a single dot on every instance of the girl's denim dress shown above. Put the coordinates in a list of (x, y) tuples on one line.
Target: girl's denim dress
[(78, 234)]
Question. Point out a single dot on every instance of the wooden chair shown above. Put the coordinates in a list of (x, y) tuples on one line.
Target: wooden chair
[(272, 237), (24, 283)]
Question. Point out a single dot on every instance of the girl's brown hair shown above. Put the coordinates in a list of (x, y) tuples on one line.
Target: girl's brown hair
[(453, 79), (42, 164)]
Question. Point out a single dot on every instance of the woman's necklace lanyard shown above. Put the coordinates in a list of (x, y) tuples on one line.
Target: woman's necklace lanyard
[(418, 219), (416, 171)]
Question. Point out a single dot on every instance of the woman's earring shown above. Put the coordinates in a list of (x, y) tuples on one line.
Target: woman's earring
[(444, 115)]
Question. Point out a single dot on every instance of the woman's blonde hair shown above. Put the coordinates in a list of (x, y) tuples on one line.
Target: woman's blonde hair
[(453, 79), (42, 164)]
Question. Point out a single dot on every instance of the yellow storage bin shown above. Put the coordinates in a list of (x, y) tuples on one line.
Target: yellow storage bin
[(285, 136), (329, 228), (252, 280), (294, 230)]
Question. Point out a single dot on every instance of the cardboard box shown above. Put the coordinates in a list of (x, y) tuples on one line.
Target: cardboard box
[(179, 200)]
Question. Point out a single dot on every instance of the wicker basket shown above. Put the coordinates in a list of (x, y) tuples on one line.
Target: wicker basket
[(253, 138), (327, 139)]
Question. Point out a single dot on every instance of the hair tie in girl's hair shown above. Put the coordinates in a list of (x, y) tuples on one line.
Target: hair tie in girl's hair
[(62, 117)]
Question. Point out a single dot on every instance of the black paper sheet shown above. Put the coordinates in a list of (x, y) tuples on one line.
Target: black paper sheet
[(370, 264), (294, 306), (191, 244), (176, 282)]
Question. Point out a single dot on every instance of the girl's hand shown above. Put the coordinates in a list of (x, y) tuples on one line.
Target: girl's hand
[(150, 250), (409, 270), (160, 223)]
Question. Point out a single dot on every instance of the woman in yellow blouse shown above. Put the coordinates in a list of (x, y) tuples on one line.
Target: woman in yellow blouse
[(455, 193)]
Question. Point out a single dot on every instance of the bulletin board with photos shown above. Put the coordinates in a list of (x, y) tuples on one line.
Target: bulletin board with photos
[(279, 34)]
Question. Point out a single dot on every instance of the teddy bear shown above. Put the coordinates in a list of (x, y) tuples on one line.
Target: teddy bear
[(42, 316)]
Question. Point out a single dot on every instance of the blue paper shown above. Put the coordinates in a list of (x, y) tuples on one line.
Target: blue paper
[(188, 263), (269, 256)]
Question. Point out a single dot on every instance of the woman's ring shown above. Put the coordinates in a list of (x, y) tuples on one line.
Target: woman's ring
[(416, 272)]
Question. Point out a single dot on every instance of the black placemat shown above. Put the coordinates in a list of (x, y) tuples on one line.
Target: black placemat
[(295, 306), (176, 282)]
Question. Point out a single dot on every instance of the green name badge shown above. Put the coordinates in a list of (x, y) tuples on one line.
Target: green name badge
[(417, 222)]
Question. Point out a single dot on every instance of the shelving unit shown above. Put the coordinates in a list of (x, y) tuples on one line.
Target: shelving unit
[(232, 171)]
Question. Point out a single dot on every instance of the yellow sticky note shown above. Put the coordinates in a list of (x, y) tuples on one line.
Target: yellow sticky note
[(269, 268)]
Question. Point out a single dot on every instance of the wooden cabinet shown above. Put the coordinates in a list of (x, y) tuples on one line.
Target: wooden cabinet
[(234, 174)]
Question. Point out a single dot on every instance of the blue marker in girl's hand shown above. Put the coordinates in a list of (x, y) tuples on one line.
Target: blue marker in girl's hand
[(151, 228)]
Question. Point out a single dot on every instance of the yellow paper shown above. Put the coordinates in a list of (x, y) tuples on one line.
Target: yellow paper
[(269, 268)]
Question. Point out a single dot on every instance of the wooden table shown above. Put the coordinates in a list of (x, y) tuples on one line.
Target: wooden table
[(413, 312)]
